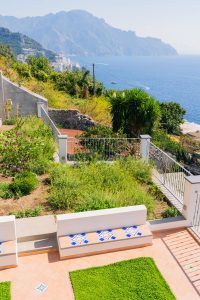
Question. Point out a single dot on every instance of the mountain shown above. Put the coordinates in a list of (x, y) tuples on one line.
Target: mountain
[(79, 32), (19, 42)]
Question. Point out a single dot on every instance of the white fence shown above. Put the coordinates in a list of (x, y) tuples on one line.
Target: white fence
[(169, 172), (60, 139), (105, 149), (49, 122)]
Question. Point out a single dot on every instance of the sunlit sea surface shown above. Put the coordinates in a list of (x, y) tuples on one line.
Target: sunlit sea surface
[(166, 78)]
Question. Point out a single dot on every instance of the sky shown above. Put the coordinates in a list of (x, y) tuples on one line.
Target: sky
[(174, 21)]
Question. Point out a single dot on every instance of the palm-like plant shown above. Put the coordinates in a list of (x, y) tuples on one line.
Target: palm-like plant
[(134, 111)]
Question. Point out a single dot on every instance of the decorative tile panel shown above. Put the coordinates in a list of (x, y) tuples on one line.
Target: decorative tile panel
[(78, 239), (132, 231), (106, 235)]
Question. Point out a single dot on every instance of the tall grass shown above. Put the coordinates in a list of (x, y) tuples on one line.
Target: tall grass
[(100, 185)]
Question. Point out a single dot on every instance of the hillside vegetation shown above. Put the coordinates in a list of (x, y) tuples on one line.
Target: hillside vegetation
[(130, 112), (18, 42), (68, 90)]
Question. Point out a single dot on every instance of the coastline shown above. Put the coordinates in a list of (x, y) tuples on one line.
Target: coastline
[(190, 127)]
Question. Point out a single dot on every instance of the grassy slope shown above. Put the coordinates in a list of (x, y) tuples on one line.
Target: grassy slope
[(100, 185), (137, 279), (97, 108), (5, 290)]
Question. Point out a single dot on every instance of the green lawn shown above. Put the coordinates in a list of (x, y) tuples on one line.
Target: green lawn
[(5, 290), (137, 279)]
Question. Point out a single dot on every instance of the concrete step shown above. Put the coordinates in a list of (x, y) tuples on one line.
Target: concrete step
[(36, 237), (37, 246)]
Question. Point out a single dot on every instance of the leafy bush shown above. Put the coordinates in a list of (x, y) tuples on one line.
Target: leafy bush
[(134, 111), (5, 192), (24, 183), (6, 52), (77, 83), (171, 212), (100, 131), (11, 121), (5, 290), (27, 213), (163, 141), (172, 116), (22, 69), (99, 185), (29, 146)]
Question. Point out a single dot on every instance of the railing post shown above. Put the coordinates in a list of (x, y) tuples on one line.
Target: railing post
[(62, 144), (145, 146), (192, 188), (39, 106)]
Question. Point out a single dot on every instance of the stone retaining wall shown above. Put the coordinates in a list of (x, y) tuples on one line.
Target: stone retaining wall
[(71, 119)]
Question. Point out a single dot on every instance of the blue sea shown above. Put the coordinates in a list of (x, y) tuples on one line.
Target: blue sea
[(166, 78)]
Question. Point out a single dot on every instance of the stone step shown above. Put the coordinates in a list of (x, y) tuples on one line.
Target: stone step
[(34, 246)]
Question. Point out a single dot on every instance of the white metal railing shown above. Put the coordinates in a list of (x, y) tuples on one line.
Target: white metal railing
[(49, 122), (169, 172), (108, 149)]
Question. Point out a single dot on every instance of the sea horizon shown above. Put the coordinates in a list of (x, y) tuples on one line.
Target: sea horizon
[(167, 78)]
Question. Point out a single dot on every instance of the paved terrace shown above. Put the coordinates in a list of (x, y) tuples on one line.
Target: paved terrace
[(176, 254)]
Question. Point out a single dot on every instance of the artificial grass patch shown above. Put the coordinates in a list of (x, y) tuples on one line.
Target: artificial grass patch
[(5, 290), (137, 279)]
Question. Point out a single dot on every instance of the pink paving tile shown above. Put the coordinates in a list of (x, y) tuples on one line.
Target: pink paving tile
[(187, 256), (48, 269)]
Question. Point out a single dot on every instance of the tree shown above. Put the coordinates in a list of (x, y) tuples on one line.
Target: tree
[(77, 83), (172, 116), (40, 67), (84, 84), (134, 111), (22, 69), (6, 51)]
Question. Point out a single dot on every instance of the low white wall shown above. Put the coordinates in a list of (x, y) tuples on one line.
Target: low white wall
[(101, 219), (23, 100), (7, 228), (168, 223)]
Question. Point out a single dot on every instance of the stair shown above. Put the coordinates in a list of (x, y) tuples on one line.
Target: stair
[(35, 246)]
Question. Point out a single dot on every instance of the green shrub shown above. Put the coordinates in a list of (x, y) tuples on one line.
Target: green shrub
[(172, 116), (27, 147), (163, 141), (134, 111), (5, 290), (24, 183), (96, 185), (11, 121), (100, 131), (171, 212), (5, 192), (28, 213)]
